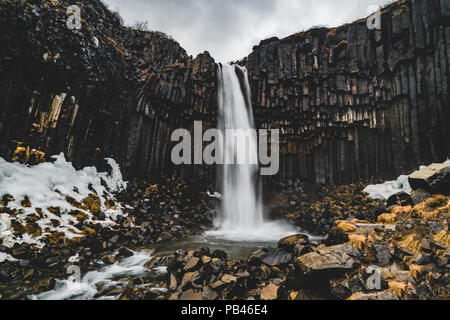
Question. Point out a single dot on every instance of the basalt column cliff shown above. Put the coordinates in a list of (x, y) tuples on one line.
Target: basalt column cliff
[(354, 102), (103, 90), (351, 103)]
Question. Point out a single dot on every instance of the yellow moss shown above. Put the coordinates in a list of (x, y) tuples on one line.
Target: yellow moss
[(33, 229), (402, 211), (432, 208), (6, 199), (345, 226), (152, 189), (110, 205), (32, 218), (79, 215), (55, 210), (55, 237), (357, 240), (411, 243), (26, 202), (400, 289), (92, 203), (443, 237), (89, 231), (293, 295), (74, 203), (387, 218), (356, 296), (20, 154), (37, 157), (26, 155), (416, 271)]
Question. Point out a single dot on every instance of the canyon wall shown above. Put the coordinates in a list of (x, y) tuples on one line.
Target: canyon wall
[(355, 102), (352, 103), (102, 91)]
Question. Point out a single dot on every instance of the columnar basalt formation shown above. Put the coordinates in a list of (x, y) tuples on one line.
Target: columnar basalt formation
[(355, 102), (102, 91), (352, 103)]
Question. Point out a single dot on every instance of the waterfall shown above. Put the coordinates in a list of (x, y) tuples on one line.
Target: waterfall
[(244, 208), (241, 211)]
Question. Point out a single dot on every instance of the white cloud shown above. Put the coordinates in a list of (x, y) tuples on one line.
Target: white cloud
[(228, 29)]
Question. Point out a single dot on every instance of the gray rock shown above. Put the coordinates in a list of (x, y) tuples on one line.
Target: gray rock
[(383, 255), (332, 261), (434, 178)]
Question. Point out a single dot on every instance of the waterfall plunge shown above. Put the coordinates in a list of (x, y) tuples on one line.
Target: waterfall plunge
[(242, 207), (241, 217)]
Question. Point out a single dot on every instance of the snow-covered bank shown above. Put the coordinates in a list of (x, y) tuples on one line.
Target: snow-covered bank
[(385, 190), (50, 199)]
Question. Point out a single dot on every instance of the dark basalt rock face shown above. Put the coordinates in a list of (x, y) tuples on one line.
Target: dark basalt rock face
[(104, 90), (354, 103), (351, 103)]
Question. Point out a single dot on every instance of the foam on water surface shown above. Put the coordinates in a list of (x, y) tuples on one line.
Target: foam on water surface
[(93, 283)]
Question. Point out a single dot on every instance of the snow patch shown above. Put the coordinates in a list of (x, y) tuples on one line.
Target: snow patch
[(216, 195), (48, 185), (385, 190), (6, 257)]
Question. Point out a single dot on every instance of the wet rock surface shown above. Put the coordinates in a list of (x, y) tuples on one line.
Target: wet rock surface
[(352, 104)]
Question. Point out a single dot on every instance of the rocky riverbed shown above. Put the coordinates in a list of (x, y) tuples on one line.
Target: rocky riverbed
[(370, 250)]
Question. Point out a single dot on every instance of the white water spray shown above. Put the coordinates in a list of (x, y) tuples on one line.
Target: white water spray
[(241, 210)]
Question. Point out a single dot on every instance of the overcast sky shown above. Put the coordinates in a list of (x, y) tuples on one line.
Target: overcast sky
[(228, 29)]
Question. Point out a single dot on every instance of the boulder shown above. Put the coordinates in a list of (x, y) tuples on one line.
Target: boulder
[(434, 178), (255, 258), (218, 285), (189, 280), (228, 278), (190, 295), (289, 243), (382, 254), (344, 288), (220, 254), (209, 294), (400, 199), (422, 259), (329, 261), (173, 283), (193, 264), (276, 258), (419, 195), (384, 295), (270, 292), (124, 253)]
